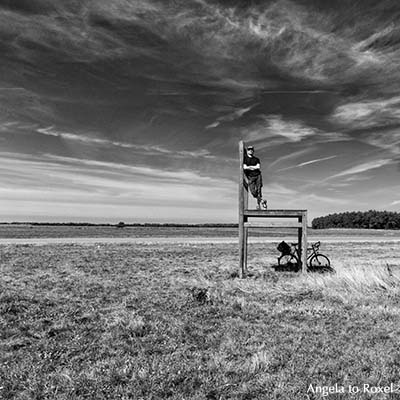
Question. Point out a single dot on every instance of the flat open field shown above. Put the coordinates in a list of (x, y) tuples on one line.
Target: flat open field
[(154, 320), (41, 231)]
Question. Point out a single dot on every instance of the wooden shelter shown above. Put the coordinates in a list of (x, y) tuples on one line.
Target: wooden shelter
[(263, 220)]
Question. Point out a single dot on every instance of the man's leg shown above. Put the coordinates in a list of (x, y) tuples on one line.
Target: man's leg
[(254, 189), (262, 204), (258, 185)]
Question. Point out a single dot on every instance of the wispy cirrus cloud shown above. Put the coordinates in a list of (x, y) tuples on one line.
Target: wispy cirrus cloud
[(150, 150), (79, 182), (368, 114), (358, 178), (363, 167), (291, 156), (389, 140), (317, 160), (130, 170), (278, 129), (13, 126), (297, 39), (236, 114)]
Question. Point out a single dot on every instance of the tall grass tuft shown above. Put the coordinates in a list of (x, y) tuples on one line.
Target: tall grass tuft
[(362, 279)]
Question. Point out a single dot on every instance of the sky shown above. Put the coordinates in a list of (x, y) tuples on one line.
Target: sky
[(132, 110)]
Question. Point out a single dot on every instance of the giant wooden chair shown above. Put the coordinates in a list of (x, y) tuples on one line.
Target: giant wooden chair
[(264, 220)]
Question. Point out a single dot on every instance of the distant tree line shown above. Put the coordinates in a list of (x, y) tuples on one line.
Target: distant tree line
[(359, 219)]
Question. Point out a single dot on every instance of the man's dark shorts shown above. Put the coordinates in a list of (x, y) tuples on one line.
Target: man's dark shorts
[(255, 185)]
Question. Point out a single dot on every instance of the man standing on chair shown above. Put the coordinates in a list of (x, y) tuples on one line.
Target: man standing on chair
[(252, 171)]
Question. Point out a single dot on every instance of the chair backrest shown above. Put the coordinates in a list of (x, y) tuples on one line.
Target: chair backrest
[(243, 189)]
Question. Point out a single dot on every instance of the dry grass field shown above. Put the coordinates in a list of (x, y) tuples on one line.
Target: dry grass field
[(173, 321), (21, 231)]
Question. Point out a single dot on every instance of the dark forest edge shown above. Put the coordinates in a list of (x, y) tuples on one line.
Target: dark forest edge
[(371, 219)]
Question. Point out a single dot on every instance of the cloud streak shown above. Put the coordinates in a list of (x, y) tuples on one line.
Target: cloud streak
[(76, 182), (277, 131), (236, 114), (361, 168), (307, 163), (368, 114), (150, 150)]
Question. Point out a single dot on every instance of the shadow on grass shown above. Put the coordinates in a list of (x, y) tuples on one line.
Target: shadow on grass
[(290, 267), (297, 268)]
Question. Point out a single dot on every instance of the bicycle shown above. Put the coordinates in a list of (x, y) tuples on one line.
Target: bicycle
[(316, 261)]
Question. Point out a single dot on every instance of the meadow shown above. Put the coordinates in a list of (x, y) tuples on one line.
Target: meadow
[(174, 321), (25, 231)]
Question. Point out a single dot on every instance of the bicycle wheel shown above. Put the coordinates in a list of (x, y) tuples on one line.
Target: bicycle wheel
[(289, 261), (320, 262)]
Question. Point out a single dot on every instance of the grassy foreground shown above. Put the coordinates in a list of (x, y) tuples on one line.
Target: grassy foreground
[(173, 322)]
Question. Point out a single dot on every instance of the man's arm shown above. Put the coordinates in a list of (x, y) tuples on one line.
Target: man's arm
[(251, 167)]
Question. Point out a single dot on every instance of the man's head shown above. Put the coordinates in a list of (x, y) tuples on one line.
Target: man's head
[(250, 150)]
